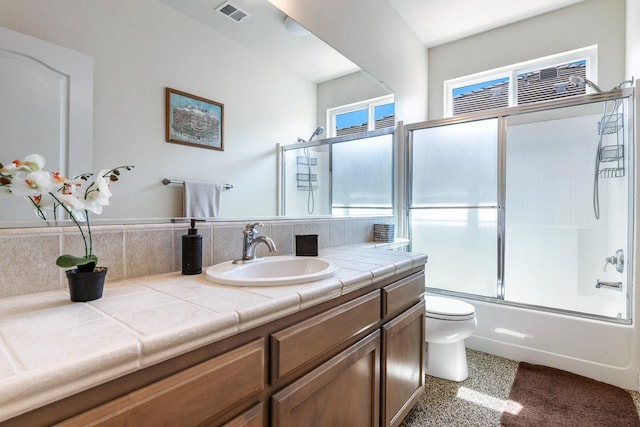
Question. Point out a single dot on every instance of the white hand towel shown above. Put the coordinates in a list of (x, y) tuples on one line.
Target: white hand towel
[(201, 199)]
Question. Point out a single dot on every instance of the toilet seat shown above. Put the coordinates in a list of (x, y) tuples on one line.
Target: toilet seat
[(448, 309)]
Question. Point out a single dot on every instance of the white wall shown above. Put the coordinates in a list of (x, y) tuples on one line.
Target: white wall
[(139, 48), (374, 36), (632, 66), (600, 22), (346, 90)]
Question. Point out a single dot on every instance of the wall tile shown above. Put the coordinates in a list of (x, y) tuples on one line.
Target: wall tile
[(337, 232), (28, 263), (108, 246), (149, 250), (282, 235), (227, 242), (146, 249), (321, 228), (358, 231)]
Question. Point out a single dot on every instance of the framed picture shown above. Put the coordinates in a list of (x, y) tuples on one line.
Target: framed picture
[(193, 120)]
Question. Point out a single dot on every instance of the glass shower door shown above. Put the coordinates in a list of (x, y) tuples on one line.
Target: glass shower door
[(453, 210), (567, 208)]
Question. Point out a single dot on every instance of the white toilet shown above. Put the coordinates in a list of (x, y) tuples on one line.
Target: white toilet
[(448, 322)]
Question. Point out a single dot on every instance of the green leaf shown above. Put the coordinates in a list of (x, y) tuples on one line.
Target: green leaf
[(84, 263)]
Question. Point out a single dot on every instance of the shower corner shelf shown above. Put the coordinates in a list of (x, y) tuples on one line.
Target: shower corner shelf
[(611, 153), (311, 161), (611, 173), (307, 187), (610, 124), (611, 156), (304, 175)]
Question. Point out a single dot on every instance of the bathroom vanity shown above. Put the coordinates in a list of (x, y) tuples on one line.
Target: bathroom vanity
[(347, 350)]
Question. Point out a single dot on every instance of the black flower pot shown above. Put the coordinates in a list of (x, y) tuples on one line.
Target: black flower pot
[(86, 285)]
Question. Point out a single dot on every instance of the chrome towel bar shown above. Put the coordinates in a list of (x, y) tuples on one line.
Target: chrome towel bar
[(166, 181)]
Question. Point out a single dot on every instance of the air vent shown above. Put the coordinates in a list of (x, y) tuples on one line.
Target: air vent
[(233, 12)]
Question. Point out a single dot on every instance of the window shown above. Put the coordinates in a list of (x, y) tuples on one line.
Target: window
[(518, 84), (377, 113)]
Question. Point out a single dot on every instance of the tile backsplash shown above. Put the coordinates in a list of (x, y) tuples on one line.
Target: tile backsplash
[(28, 265)]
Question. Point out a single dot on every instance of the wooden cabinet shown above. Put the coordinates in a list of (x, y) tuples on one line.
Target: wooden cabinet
[(339, 391), (402, 367), (403, 343), (354, 360), (343, 391)]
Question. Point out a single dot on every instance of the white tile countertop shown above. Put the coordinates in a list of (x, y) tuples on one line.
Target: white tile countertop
[(51, 348)]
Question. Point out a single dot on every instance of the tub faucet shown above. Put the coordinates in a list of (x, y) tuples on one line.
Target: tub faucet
[(250, 243)]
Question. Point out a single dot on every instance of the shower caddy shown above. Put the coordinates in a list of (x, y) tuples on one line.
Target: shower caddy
[(303, 174), (611, 157)]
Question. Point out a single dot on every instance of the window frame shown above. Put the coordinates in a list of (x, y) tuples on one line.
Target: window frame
[(368, 104), (588, 54)]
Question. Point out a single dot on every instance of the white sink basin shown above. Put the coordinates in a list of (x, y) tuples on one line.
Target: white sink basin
[(271, 271)]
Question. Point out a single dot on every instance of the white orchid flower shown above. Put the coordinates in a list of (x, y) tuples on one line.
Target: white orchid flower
[(98, 192), (46, 190), (32, 183), (33, 162)]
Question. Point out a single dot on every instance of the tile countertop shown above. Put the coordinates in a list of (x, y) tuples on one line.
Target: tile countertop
[(51, 348)]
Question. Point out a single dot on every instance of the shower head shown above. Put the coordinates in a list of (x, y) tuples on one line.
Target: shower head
[(319, 131), (582, 82)]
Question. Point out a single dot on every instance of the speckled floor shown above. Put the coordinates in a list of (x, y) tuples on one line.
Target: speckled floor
[(476, 401)]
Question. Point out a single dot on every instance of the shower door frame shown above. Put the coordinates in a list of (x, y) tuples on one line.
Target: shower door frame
[(502, 114)]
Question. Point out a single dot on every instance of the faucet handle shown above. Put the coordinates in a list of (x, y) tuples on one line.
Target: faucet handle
[(252, 228)]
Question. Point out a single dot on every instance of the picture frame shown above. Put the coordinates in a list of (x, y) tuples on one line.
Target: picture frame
[(194, 120)]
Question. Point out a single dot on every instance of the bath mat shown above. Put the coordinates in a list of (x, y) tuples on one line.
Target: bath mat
[(543, 396)]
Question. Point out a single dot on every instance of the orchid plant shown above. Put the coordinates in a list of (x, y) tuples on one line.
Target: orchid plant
[(77, 196)]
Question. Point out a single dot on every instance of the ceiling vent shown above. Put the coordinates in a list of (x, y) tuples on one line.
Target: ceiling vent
[(233, 12)]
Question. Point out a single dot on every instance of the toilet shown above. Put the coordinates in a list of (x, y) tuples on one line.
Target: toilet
[(448, 322)]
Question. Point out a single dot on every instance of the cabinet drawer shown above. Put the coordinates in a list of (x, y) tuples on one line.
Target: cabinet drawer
[(402, 294), (322, 334), (190, 397)]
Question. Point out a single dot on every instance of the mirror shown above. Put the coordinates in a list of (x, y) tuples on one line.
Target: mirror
[(275, 87)]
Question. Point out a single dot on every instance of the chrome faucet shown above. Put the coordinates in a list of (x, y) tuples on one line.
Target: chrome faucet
[(250, 242)]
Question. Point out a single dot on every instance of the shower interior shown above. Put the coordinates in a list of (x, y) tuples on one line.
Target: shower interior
[(350, 175), (512, 208)]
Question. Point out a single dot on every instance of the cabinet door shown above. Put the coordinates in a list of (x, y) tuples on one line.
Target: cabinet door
[(402, 364), (250, 418), (344, 391)]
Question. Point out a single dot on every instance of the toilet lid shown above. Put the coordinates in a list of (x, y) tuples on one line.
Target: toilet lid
[(448, 308)]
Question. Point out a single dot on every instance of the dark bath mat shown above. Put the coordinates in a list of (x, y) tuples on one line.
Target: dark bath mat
[(543, 396)]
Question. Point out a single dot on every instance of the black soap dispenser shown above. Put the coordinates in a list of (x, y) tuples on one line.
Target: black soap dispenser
[(192, 250)]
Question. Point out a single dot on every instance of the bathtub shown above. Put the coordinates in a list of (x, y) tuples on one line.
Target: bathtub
[(605, 351)]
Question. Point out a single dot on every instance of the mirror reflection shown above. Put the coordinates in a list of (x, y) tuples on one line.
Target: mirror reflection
[(349, 175), (275, 86)]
